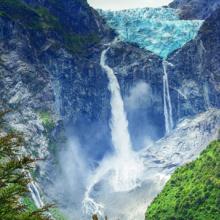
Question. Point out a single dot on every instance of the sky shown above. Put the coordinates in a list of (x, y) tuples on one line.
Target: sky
[(125, 4)]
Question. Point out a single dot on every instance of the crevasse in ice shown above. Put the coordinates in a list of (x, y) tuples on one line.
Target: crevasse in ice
[(158, 30)]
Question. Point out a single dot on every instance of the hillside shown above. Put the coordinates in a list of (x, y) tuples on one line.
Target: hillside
[(193, 190)]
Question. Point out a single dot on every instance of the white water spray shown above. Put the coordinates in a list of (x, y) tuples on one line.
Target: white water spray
[(123, 170), (168, 114)]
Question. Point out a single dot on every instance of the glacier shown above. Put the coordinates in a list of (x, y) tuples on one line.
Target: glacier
[(158, 30)]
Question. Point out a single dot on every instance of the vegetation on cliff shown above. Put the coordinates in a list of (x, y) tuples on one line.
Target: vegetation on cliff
[(193, 192), (41, 19), (13, 179)]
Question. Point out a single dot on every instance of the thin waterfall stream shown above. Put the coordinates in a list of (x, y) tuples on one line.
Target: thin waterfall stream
[(168, 113), (35, 194)]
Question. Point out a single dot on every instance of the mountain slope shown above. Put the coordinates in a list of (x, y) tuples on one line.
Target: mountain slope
[(193, 190)]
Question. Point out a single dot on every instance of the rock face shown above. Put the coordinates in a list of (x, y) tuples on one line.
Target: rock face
[(25, 87), (195, 9), (41, 67), (195, 71), (77, 15)]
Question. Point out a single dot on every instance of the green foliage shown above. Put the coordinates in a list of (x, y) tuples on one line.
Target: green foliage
[(193, 192), (47, 121), (76, 43), (29, 203), (14, 180), (53, 211), (49, 124), (57, 214)]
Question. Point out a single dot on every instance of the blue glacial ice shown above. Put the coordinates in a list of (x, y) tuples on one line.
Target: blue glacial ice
[(158, 30)]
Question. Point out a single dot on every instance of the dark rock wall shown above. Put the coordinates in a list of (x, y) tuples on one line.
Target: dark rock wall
[(196, 70), (195, 9)]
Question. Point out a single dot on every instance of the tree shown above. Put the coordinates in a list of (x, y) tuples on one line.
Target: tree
[(95, 217), (13, 178)]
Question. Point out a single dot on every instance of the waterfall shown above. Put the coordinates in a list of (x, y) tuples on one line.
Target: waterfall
[(33, 189), (206, 95), (35, 193), (128, 167), (123, 170), (168, 115), (119, 124)]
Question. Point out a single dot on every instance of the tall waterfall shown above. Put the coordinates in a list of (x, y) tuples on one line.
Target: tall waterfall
[(119, 124), (122, 170), (167, 101), (128, 167)]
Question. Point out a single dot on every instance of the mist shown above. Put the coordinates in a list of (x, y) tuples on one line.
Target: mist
[(137, 104), (139, 96), (71, 174)]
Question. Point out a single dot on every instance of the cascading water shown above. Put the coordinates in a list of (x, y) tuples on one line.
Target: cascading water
[(125, 178), (168, 115), (119, 123), (33, 189), (35, 193), (124, 168)]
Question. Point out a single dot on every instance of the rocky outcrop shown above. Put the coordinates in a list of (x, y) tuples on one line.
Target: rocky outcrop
[(195, 9), (25, 86), (71, 84), (195, 72)]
